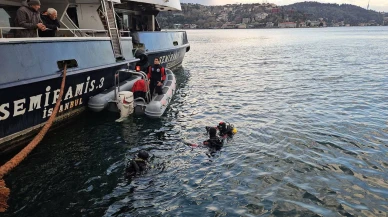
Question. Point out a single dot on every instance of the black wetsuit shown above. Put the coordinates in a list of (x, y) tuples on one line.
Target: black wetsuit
[(156, 74), (214, 143), (225, 130), (136, 166)]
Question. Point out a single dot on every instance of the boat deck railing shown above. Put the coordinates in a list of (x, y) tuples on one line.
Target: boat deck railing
[(74, 32)]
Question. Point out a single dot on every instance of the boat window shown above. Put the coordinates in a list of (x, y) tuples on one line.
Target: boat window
[(72, 13), (7, 17), (126, 22), (70, 64), (175, 43)]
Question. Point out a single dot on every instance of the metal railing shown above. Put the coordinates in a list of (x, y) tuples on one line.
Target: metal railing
[(86, 32), (93, 32), (11, 28)]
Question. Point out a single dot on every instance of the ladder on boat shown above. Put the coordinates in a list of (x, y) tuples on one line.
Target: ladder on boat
[(109, 21)]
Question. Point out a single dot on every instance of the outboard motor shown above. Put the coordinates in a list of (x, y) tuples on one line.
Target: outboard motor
[(124, 104)]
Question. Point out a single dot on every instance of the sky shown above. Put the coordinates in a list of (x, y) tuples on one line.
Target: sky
[(377, 5)]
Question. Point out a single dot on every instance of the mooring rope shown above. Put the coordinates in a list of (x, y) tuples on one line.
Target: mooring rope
[(11, 164)]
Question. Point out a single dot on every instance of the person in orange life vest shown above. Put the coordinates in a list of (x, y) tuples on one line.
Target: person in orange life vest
[(139, 89), (157, 75)]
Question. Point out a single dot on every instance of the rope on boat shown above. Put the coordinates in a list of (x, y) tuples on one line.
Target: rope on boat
[(11, 164)]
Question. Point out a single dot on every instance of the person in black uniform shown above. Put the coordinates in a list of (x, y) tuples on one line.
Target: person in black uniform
[(157, 75), (138, 165)]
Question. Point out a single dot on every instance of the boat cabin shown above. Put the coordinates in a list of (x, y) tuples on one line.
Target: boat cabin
[(88, 17)]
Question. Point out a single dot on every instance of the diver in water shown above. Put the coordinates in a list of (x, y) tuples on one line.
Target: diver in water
[(214, 143), (225, 129), (138, 165)]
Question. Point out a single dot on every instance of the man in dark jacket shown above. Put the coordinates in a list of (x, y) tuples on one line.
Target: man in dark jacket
[(49, 19), (28, 17)]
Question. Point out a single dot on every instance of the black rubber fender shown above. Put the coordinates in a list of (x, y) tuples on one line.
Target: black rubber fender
[(140, 54), (187, 49)]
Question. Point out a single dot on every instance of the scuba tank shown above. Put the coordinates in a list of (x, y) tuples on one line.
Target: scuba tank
[(226, 128)]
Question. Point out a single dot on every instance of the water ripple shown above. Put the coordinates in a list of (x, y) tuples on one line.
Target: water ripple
[(312, 117)]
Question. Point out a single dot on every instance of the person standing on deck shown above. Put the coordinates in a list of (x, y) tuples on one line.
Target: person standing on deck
[(51, 22), (27, 16)]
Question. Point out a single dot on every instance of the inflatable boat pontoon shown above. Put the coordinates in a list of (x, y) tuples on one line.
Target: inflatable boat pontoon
[(120, 98)]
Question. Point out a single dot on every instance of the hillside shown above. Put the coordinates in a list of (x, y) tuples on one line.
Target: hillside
[(269, 15), (333, 13)]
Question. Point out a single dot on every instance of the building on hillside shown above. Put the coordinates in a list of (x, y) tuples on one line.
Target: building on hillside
[(287, 25), (222, 17), (385, 21), (190, 26), (178, 26), (261, 16), (302, 25), (246, 20), (269, 24), (228, 26), (275, 10), (242, 26), (314, 23)]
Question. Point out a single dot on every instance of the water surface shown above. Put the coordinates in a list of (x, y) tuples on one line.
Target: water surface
[(311, 109)]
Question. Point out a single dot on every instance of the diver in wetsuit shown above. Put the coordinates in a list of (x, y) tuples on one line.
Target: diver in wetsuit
[(214, 143), (137, 165), (225, 129)]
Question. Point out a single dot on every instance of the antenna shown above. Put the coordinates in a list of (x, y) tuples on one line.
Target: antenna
[(368, 5)]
